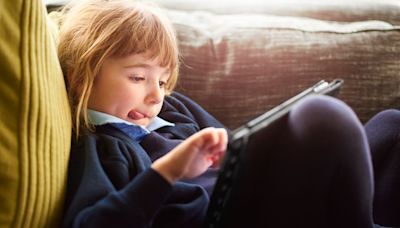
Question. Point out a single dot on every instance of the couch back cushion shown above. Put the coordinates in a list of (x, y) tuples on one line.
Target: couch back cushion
[(35, 119), (330, 10), (238, 66)]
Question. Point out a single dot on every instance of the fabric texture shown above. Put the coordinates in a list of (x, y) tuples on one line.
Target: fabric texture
[(333, 10), (135, 132), (35, 118), (111, 184), (238, 64)]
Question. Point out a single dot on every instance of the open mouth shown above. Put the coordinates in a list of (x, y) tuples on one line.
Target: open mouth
[(135, 115)]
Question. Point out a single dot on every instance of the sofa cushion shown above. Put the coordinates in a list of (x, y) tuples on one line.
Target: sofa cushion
[(330, 10), (35, 119), (238, 66)]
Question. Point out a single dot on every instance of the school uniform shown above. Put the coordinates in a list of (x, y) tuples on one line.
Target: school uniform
[(111, 183)]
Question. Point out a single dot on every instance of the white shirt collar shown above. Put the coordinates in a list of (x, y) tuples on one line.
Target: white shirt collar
[(100, 118)]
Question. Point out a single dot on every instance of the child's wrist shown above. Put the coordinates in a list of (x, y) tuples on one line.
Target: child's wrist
[(161, 168)]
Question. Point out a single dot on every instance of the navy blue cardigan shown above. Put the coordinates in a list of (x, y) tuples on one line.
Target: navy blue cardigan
[(111, 184)]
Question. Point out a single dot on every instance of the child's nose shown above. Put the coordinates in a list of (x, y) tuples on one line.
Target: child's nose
[(155, 95)]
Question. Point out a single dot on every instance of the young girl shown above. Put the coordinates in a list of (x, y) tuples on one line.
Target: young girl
[(120, 59), (144, 157)]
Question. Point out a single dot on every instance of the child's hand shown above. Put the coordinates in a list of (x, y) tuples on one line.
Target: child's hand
[(193, 156)]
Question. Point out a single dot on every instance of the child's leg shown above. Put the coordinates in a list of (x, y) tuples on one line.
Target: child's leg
[(383, 132), (310, 168)]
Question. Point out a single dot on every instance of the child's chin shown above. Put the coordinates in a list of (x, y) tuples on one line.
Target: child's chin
[(141, 122)]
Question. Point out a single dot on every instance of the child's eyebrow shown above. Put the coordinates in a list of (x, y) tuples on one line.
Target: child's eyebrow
[(146, 66), (138, 65)]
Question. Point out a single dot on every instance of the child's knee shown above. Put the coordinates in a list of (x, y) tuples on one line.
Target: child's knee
[(326, 117), (389, 117)]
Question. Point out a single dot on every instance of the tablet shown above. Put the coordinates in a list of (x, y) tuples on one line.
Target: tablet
[(322, 87), (229, 170)]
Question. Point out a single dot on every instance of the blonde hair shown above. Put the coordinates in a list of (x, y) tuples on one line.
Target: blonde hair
[(94, 30)]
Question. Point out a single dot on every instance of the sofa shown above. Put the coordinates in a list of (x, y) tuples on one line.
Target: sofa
[(239, 59)]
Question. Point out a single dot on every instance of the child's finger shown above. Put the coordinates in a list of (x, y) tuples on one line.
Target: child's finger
[(223, 139), (217, 159), (217, 151), (215, 140), (201, 139), (208, 138)]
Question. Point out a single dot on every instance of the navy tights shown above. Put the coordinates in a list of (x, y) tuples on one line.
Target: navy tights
[(383, 136), (311, 168)]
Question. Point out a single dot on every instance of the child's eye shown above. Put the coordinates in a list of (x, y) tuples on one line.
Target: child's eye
[(162, 84), (136, 78)]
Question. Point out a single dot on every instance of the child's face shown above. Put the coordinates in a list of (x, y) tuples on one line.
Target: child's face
[(131, 88)]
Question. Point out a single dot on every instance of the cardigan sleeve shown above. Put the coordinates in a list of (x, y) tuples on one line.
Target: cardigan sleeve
[(94, 201), (111, 184)]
